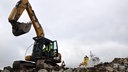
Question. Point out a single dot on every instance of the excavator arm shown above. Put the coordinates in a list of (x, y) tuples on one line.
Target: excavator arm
[(19, 28)]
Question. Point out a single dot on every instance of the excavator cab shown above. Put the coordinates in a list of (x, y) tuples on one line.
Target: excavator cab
[(45, 49)]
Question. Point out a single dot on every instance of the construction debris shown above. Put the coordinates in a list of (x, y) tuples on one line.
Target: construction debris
[(117, 65)]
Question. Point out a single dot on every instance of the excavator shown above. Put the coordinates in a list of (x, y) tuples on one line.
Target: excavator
[(44, 49)]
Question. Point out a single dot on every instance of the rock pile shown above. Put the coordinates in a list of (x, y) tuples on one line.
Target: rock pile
[(117, 65)]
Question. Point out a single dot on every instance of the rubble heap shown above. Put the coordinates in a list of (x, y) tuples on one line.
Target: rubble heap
[(117, 65)]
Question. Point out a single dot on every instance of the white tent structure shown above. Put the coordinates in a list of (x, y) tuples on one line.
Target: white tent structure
[(93, 60)]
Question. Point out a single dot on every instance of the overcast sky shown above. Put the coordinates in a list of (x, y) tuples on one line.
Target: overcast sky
[(79, 26)]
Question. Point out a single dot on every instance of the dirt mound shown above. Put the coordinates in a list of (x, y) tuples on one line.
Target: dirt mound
[(117, 65)]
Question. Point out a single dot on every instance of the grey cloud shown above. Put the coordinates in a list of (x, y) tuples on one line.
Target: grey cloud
[(79, 26)]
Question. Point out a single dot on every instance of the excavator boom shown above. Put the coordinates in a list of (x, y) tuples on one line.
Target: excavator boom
[(20, 28)]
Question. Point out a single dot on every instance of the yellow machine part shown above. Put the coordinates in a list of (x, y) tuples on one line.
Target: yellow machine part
[(85, 60), (28, 58)]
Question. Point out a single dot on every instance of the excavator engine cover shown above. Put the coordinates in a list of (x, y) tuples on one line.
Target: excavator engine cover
[(20, 28)]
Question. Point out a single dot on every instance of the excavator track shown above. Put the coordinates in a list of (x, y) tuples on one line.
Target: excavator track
[(36, 66), (23, 64)]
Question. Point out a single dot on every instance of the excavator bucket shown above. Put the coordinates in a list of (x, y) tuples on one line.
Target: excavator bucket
[(20, 28)]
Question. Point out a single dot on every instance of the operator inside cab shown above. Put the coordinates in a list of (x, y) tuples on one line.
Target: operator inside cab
[(48, 49)]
